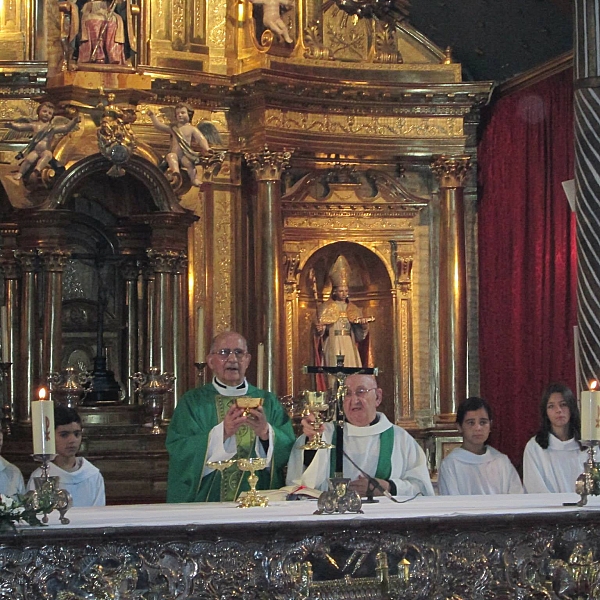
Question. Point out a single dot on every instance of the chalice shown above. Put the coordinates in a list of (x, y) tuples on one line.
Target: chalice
[(252, 497), (247, 403), (220, 465), (321, 407)]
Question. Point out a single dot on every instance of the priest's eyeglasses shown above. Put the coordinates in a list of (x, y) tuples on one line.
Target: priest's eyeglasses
[(361, 392), (225, 352)]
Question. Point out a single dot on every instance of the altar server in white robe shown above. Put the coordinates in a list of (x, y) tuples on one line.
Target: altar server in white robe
[(11, 479), (373, 449), (475, 467), (554, 458), (76, 474)]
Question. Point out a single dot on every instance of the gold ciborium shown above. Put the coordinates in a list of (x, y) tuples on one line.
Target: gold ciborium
[(252, 497), (318, 404), (247, 403)]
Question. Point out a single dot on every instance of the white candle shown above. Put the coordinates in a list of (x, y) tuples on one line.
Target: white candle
[(200, 351), (590, 413), (4, 327), (42, 424), (260, 366)]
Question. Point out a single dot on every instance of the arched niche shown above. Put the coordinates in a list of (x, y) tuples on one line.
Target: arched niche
[(371, 289)]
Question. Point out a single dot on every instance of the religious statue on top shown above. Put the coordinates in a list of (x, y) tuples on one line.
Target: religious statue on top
[(340, 323), (37, 155), (183, 136), (99, 31)]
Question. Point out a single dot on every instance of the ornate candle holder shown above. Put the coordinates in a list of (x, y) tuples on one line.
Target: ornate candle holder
[(339, 498), (70, 386), (588, 483), (201, 367), (252, 498), (322, 407), (153, 387), (47, 495)]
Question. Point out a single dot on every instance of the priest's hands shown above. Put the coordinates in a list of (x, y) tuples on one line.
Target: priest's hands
[(233, 420), (308, 426), (361, 485), (256, 420)]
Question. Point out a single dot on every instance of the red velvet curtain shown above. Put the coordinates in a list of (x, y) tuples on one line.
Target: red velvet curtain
[(527, 259)]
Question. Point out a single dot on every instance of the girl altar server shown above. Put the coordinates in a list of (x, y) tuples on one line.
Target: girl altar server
[(475, 467)]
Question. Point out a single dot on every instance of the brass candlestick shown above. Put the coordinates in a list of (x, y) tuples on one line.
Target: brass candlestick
[(252, 498), (47, 495)]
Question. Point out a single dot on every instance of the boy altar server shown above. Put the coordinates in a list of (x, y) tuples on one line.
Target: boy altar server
[(76, 474), (476, 468)]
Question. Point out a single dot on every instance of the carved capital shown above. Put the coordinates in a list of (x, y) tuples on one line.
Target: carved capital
[(27, 259), (162, 262), (9, 268), (267, 165), (181, 263), (451, 170), (54, 260)]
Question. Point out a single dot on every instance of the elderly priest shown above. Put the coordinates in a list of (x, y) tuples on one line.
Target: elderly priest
[(376, 455), (207, 426)]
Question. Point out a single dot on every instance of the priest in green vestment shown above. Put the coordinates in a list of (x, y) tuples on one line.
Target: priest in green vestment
[(207, 426), (370, 448)]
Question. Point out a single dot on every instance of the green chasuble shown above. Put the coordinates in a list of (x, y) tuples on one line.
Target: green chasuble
[(198, 411)]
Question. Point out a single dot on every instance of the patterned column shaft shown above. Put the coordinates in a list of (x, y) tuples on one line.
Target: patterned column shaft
[(11, 287), (53, 264), (130, 275), (28, 373), (181, 355), (451, 172), (268, 252), (587, 185)]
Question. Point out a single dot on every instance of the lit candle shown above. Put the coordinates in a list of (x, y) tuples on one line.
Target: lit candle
[(42, 424), (260, 366), (4, 327), (200, 352), (590, 413)]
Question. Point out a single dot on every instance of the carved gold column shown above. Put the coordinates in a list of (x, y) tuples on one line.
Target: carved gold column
[(181, 357), (130, 273), (53, 264), (27, 379), (267, 167), (451, 172), (11, 291), (163, 264), (404, 409)]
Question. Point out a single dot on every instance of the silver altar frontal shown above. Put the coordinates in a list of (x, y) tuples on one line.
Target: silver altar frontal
[(462, 547)]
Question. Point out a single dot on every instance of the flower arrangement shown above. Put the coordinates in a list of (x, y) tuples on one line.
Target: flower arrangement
[(15, 510)]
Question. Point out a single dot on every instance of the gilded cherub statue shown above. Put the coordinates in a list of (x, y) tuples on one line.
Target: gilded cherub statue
[(183, 136), (37, 155), (272, 17)]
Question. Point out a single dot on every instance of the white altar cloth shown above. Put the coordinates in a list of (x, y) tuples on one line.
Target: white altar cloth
[(301, 511)]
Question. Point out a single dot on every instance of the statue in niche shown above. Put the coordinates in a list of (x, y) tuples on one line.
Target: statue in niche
[(272, 17), (340, 324), (183, 136), (37, 156), (99, 31)]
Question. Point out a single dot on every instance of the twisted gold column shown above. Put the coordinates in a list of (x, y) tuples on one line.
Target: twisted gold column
[(268, 252), (451, 172)]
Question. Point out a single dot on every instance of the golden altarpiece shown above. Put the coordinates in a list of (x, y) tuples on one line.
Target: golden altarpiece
[(342, 132)]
